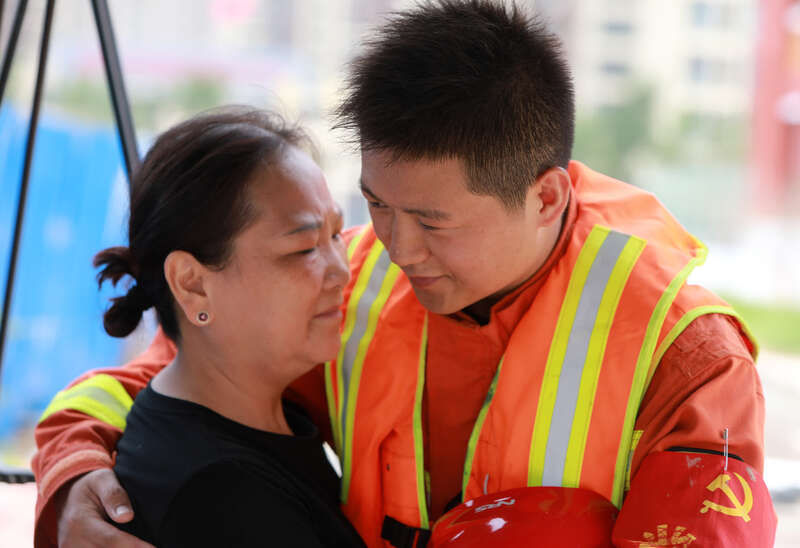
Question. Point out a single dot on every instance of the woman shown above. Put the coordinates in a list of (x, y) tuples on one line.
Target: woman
[(235, 240)]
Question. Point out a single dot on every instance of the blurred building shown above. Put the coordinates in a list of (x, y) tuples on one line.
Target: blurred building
[(696, 54)]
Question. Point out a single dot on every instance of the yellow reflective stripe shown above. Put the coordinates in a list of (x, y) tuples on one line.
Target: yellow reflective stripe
[(101, 396), (428, 487), (576, 356), (594, 359), (419, 459), (637, 435), (352, 390), (350, 320), (339, 406), (476, 430), (688, 318), (351, 248), (349, 351), (643, 368), (331, 406), (557, 352)]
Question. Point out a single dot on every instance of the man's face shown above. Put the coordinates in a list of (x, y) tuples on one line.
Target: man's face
[(457, 248)]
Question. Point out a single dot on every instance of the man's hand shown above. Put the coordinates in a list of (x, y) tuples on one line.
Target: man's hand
[(87, 502)]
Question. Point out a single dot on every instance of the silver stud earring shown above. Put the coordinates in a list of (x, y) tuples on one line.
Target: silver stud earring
[(202, 317)]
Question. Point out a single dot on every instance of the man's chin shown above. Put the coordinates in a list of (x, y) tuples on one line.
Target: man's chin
[(436, 302)]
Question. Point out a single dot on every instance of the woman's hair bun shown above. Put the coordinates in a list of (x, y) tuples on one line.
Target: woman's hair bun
[(126, 311)]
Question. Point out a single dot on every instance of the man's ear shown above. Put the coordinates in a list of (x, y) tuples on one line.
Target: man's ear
[(549, 195), (187, 279)]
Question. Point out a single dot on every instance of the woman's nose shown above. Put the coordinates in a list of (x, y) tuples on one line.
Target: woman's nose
[(338, 272)]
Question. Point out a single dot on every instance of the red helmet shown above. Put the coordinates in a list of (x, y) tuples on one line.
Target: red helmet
[(529, 516)]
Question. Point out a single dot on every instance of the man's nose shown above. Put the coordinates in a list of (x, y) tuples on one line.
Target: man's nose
[(407, 246)]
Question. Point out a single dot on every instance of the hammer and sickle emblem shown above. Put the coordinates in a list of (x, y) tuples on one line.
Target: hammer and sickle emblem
[(739, 508)]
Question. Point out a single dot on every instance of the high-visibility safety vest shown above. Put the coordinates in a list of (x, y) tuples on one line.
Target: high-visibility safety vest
[(562, 406)]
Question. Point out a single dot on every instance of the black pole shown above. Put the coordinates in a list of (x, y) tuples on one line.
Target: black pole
[(9, 474), (11, 48), (26, 172), (116, 85), (2, 11)]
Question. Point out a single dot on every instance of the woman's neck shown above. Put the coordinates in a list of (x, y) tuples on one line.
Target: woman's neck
[(233, 390)]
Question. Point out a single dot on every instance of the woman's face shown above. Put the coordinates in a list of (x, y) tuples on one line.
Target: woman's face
[(278, 299)]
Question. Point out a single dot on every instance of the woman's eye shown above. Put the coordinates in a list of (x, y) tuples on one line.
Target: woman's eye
[(307, 251)]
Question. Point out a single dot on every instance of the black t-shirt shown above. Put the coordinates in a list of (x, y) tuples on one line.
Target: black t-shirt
[(196, 478)]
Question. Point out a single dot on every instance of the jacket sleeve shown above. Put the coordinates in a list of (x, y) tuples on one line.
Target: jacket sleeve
[(706, 383), (79, 429), (698, 499)]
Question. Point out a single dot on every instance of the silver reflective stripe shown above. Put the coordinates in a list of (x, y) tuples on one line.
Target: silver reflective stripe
[(569, 382), (359, 328)]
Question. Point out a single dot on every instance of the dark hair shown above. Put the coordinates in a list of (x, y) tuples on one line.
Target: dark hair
[(472, 79), (189, 193)]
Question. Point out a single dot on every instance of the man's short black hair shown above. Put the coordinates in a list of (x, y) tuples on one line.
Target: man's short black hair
[(470, 79)]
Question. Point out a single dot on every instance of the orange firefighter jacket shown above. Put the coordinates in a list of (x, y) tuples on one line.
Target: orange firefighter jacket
[(564, 399)]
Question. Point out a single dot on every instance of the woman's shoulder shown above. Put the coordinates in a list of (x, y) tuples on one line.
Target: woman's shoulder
[(169, 435), (167, 429)]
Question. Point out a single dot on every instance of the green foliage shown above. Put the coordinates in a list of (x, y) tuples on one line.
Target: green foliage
[(608, 139), (89, 99), (703, 139), (775, 326), (613, 139)]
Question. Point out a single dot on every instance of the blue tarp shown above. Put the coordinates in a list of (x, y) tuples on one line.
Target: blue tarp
[(77, 205)]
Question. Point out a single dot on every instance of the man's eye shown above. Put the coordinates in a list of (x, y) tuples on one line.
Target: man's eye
[(375, 205), (428, 227), (307, 251)]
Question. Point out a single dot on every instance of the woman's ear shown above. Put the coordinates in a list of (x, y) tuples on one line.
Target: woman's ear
[(549, 195), (187, 279)]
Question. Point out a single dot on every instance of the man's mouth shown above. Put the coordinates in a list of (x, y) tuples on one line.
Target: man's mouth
[(424, 281)]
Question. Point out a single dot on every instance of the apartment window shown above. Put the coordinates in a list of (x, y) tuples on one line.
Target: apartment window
[(704, 70), (725, 15), (708, 14), (701, 14), (699, 70), (280, 22), (618, 27), (615, 68)]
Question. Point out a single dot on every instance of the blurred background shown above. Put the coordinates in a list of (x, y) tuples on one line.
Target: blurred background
[(695, 100)]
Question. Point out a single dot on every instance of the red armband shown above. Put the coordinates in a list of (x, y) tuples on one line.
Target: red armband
[(693, 500)]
